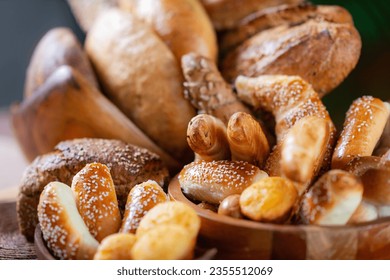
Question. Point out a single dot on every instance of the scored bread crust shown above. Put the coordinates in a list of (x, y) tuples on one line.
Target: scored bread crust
[(129, 165)]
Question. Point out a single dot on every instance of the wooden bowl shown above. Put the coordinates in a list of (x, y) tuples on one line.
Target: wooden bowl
[(244, 239), (43, 253)]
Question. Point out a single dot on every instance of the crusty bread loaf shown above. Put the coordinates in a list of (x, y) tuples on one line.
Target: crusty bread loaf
[(59, 46), (320, 52), (183, 25), (142, 77), (129, 165)]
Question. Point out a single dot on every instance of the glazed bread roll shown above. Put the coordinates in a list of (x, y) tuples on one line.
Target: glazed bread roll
[(289, 15), (63, 229), (226, 14), (230, 206), (304, 149), (70, 107), (96, 200), (183, 25), (58, 47), (142, 77), (141, 199), (269, 200), (207, 90), (87, 11), (332, 200), (322, 53), (164, 242), (116, 246), (206, 136), (129, 166), (214, 181), (289, 99), (171, 213), (246, 138), (363, 127)]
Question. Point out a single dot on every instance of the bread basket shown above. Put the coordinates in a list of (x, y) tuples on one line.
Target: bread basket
[(244, 239)]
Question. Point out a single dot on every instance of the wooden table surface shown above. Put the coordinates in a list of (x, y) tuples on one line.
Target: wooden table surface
[(12, 161)]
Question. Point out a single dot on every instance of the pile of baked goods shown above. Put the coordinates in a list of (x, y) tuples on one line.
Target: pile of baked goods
[(225, 92)]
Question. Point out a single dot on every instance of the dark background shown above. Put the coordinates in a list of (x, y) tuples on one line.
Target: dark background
[(24, 22)]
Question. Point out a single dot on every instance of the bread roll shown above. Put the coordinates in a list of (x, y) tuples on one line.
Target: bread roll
[(230, 206), (171, 213), (247, 140), (226, 14), (116, 246), (164, 242), (183, 25), (96, 200), (214, 181), (365, 212), (129, 166), (70, 107), (63, 229), (206, 136), (269, 200), (304, 149), (59, 46), (141, 76), (289, 99), (332, 200), (320, 52), (363, 127), (141, 199), (87, 11)]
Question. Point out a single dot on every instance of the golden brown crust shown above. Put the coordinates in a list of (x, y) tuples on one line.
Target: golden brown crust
[(171, 213), (332, 200), (289, 99), (363, 127), (269, 200), (322, 53), (129, 165), (246, 138), (164, 242), (96, 200), (304, 149), (62, 227), (207, 90), (215, 180), (69, 107), (281, 15), (182, 24), (116, 246), (58, 47), (87, 11), (142, 77), (230, 206), (141, 199), (226, 14), (206, 136)]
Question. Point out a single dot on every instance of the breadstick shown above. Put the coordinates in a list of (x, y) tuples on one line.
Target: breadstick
[(207, 90), (303, 150), (206, 136), (247, 140), (363, 126), (289, 99)]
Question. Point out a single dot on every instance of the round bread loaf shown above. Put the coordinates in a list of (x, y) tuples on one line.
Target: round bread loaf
[(129, 165)]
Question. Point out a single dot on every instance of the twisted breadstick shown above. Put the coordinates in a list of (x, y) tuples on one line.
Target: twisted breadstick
[(207, 90), (247, 140), (206, 136), (364, 124), (289, 99)]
